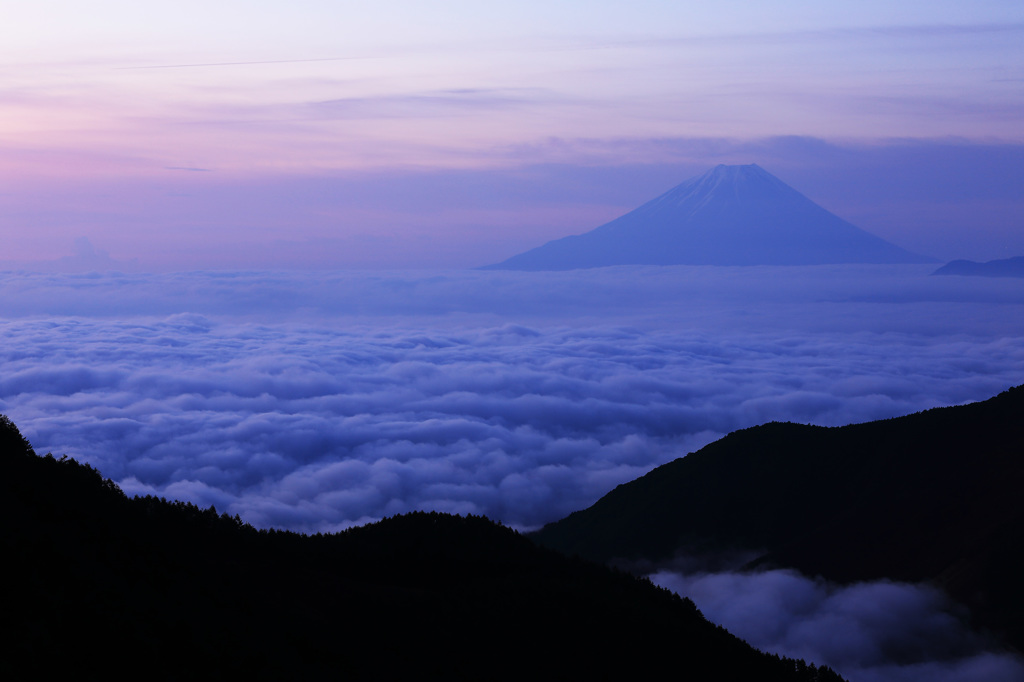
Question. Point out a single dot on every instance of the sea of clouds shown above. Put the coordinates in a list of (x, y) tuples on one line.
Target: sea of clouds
[(315, 401), (318, 401)]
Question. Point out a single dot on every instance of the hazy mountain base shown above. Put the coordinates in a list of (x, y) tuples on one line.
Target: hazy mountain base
[(106, 585), (933, 497)]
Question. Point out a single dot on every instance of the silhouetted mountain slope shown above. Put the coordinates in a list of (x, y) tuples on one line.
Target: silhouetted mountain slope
[(933, 496), (731, 215), (1007, 267), (104, 587)]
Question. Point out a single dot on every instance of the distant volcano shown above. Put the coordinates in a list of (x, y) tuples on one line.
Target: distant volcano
[(731, 215)]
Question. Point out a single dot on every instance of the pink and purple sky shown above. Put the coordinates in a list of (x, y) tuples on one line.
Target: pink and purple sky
[(314, 134)]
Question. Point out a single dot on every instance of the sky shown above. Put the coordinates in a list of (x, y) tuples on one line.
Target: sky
[(167, 136)]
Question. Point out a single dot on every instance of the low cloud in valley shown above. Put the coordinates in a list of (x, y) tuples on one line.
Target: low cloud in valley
[(869, 632)]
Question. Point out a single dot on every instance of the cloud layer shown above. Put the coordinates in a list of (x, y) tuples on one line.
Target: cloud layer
[(315, 402), (869, 632)]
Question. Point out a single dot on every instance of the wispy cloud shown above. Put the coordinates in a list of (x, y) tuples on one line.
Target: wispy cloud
[(432, 104), (832, 33), (239, 63)]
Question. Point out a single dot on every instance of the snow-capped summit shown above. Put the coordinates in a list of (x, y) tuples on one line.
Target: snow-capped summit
[(730, 215)]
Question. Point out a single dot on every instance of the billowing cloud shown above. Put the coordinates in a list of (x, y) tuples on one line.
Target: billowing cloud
[(868, 632), (314, 402)]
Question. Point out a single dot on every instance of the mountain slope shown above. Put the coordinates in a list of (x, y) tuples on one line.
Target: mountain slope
[(933, 496), (108, 586), (731, 215)]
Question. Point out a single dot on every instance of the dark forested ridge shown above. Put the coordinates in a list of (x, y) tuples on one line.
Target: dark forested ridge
[(108, 586), (934, 496)]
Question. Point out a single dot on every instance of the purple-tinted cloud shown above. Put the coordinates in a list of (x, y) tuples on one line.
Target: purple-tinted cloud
[(317, 401), (868, 632), (429, 104)]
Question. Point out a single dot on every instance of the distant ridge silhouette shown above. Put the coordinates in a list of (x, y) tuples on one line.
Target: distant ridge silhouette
[(1006, 267), (929, 497), (730, 215)]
